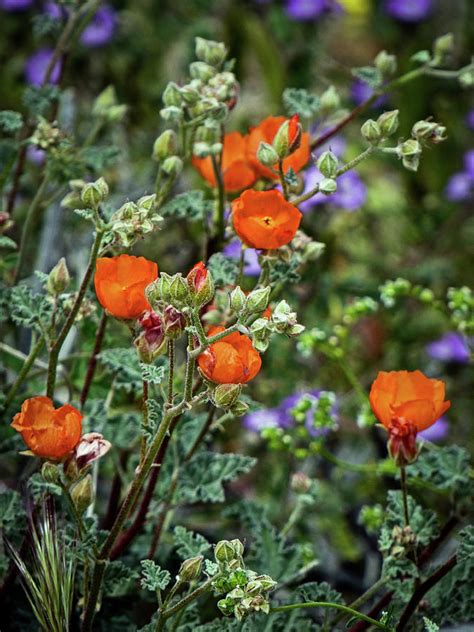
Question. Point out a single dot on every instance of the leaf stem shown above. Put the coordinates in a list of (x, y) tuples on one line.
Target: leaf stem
[(337, 606)]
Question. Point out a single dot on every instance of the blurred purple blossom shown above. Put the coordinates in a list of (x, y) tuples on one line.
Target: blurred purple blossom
[(15, 5), (470, 119), (36, 65), (408, 10), (351, 191), (460, 186), (361, 91), (251, 264), (452, 347), (101, 28), (437, 432), (303, 10), (35, 155)]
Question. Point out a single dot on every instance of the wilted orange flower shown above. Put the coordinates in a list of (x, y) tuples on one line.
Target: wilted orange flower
[(237, 172), (264, 219), (406, 402), (50, 433), (265, 132), (232, 360), (120, 284)]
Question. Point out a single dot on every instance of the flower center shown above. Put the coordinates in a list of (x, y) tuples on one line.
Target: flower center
[(268, 221)]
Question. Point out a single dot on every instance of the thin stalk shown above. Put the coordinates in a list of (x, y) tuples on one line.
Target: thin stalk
[(220, 226), (200, 590), (145, 420), (58, 343), (404, 488), (190, 364), (171, 360), (337, 606), (281, 174), (29, 361), (93, 359), (368, 594)]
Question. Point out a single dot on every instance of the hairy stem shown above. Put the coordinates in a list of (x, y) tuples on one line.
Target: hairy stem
[(337, 606)]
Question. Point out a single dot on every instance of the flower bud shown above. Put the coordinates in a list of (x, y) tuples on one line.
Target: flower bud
[(410, 152), (172, 289), (224, 551), (94, 193), (371, 131), (387, 64), (300, 483), (190, 569), (165, 145), (190, 95), (327, 164), (58, 278), (82, 493), (200, 284), (238, 547), (443, 48), (239, 409), (330, 100), (50, 472), (91, 447), (173, 322), (428, 131), (225, 395), (266, 155), (201, 70), (257, 301), (388, 122), (266, 582), (466, 76), (288, 137), (150, 345), (172, 95), (172, 166), (402, 441), (327, 186), (213, 53), (172, 113), (147, 202), (237, 299)]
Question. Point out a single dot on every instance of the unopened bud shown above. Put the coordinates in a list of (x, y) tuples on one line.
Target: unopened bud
[(190, 569), (82, 493), (239, 409), (429, 132), (267, 155), (466, 76), (330, 100), (224, 551), (165, 145), (327, 186), (172, 166), (237, 299), (172, 95), (387, 64), (327, 164), (172, 113), (190, 95), (173, 322), (147, 202), (91, 447), (50, 472), (94, 193), (213, 53), (288, 137), (200, 284), (201, 70), (300, 483), (388, 122), (410, 152), (443, 48), (371, 131), (225, 395), (58, 278), (257, 301), (238, 547)]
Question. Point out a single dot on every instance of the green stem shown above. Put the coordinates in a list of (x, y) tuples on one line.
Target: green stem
[(404, 487), (360, 468), (58, 343), (171, 360), (370, 592), (200, 590), (355, 161), (284, 184), (220, 226), (337, 606), (190, 364), (34, 351), (194, 353), (294, 517)]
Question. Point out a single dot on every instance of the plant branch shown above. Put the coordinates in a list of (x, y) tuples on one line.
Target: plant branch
[(93, 359), (337, 606)]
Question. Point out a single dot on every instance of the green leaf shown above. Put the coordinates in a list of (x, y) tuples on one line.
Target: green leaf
[(224, 269), (466, 547), (10, 122), (430, 626), (12, 513), (203, 477), (300, 101), (421, 57), (97, 158), (124, 365), (6, 242), (191, 205), (29, 309), (118, 579), (445, 467), (424, 522), (189, 544), (38, 99), (151, 373), (319, 591), (154, 577), (369, 75), (39, 488)]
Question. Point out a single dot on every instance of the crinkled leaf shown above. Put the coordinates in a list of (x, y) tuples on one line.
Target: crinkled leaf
[(224, 269), (300, 101), (152, 373), (188, 543), (369, 75), (118, 579), (191, 205), (10, 121), (6, 242), (123, 364), (29, 309), (153, 576), (446, 467)]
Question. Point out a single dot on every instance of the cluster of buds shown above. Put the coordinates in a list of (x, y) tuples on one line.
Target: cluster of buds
[(376, 131), (285, 142), (423, 132), (403, 540), (327, 163), (46, 135), (133, 220), (246, 591), (195, 291), (254, 302), (402, 441), (155, 329), (92, 194), (107, 108), (461, 305), (281, 321)]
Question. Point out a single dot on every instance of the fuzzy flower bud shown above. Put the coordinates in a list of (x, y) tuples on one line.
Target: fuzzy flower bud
[(371, 131), (267, 155), (224, 551), (50, 472), (172, 166), (165, 145), (91, 447), (226, 395), (288, 137), (257, 301), (212, 53), (82, 493), (327, 186), (94, 193), (239, 409), (410, 152), (201, 70), (190, 569), (429, 132), (150, 342), (200, 284), (330, 100), (172, 95), (402, 442), (58, 278), (173, 322), (300, 483), (387, 64), (172, 290), (443, 48), (237, 299), (388, 122), (327, 164)]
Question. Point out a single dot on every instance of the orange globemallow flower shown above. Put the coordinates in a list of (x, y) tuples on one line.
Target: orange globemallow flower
[(237, 172), (406, 402), (231, 360), (265, 132), (50, 433), (264, 219), (120, 284)]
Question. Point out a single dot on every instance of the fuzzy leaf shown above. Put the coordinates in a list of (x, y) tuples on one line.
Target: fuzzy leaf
[(29, 309), (300, 101), (10, 122), (189, 544), (369, 75), (191, 205), (151, 373), (446, 467), (6, 242), (118, 579), (123, 364), (224, 269), (154, 577)]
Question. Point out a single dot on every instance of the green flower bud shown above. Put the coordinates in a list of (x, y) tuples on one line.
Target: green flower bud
[(94, 193), (237, 299), (327, 186), (200, 285), (387, 64), (216, 149), (201, 70), (239, 409), (71, 200), (190, 569), (201, 150), (165, 145), (254, 587), (257, 301), (190, 95), (172, 95), (388, 122), (172, 166), (147, 202), (82, 493), (238, 547), (266, 155), (213, 53), (172, 113), (288, 137), (224, 551), (429, 132), (58, 278), (178, 291), (300, 483), (266, 582), (443, 48), (466, 76), (327, 164), (50, 472), (371, 131), (330, 100), (225, 395), (410, 152)]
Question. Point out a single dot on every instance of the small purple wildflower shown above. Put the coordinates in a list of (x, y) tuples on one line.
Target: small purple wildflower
[(361, 91), (36, 65), (101, 28), (452, 347), (251, 264), (35, 155), (460, 186), (15, 5), (304, 10), (408, 10), (351, 191), (437, 432)]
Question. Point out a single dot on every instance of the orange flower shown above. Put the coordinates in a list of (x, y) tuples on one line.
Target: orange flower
[(232, 360), (406, 402), (237, 173), (50, 433), (265, 132), (120, 284), (264, 219)]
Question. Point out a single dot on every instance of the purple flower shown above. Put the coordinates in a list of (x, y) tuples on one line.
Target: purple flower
[(260, 419), (303, 10), (251, 264), (460, 186), (437, 432), (351, 191), (15, 5), (36, 65), (101, 28), (470, 119), (36, 155), (408, 10), (336, 144), (361, 91), (452, 347)]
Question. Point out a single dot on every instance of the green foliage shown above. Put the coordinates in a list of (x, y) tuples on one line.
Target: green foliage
[(39, 488), (188, 543), (124, 366), (369, 75), (300, 101), (224, 269), (37, 100), (29, 309), (10, 122), (152, 374), (119, 578), (203, 478), (191, 206), (153, 576), (446, 467)]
